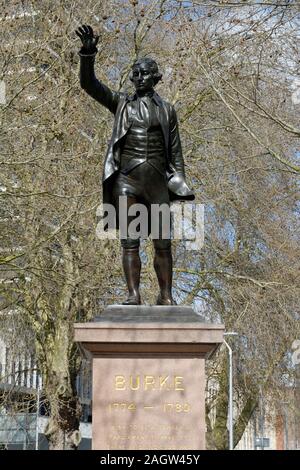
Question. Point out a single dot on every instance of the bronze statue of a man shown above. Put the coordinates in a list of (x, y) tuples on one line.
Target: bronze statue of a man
[(144, 159)]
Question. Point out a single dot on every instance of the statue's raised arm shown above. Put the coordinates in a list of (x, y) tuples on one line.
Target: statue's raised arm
[(88, 80)]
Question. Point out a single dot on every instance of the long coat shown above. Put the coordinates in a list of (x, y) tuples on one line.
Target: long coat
[(117, 102)]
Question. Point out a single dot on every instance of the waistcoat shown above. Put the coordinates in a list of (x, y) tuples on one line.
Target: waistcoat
[(144, 141)]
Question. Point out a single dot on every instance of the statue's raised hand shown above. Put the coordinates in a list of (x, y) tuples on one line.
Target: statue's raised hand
[(88, 39)]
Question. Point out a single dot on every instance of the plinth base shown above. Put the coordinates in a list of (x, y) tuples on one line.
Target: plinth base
[(148, 376)]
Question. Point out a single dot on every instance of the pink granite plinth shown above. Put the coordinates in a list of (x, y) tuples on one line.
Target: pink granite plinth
[(148, 376)]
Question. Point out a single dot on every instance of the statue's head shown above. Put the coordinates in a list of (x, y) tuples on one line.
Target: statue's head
[(145, 74)]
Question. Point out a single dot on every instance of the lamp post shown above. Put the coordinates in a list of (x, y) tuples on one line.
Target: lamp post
[(38, 404), (230, 401), (37, 418)]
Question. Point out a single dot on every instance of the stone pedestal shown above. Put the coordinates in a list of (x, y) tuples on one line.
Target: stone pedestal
[(148, 376)]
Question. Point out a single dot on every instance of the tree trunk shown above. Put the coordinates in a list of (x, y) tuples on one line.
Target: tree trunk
[(61, 369), (62, 430)]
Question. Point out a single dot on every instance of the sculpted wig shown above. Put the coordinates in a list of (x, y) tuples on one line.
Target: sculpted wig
[(157, 76)]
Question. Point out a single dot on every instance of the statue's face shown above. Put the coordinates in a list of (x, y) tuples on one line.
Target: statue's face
[(142, 77)]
